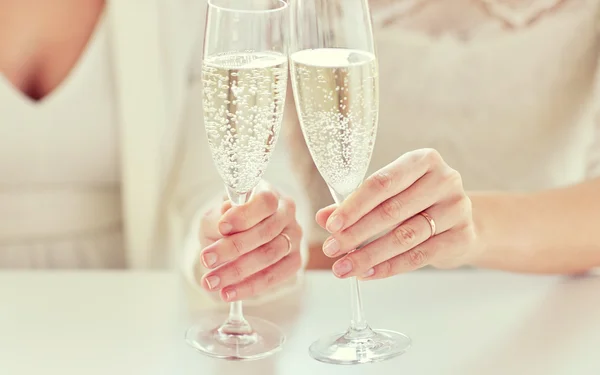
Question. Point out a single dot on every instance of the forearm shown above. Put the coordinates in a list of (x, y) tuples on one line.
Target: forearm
[(555, 231)]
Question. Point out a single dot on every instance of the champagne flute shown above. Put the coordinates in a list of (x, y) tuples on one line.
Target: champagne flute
[(244, 75), (336, 90)]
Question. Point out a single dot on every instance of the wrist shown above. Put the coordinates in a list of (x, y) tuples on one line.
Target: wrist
[(494, 218), (481, 205)]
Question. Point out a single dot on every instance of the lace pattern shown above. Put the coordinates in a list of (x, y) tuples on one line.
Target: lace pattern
[(520, 13), (511, 14)]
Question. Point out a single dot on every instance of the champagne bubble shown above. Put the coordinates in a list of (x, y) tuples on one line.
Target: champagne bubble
[(250, 95), (337, 96)]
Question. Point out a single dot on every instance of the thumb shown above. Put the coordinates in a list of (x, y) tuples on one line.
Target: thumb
[(323, 214), (209, 230)]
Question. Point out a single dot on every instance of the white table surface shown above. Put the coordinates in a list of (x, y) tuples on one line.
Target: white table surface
[(467, 323)]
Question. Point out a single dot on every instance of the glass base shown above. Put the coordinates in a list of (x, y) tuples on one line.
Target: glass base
[(355, 347), (213, 338)]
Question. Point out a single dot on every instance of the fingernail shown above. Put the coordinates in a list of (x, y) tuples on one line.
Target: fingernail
[(230, 294), (334, 224), (212, 281), (331, 246), (342, 268), (209, 259), (369, 273), (225, 228)]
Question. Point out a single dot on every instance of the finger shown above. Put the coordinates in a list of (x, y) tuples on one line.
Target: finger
[(244, 217), (209, 230), (405, 237), (416, 258), (225, 207), (323, 214), (231, 247), (382, 185), (249, 264), (418, 197), (265, 279)]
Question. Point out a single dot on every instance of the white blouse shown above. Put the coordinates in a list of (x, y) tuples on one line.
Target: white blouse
[(59, 171), (504, 89)]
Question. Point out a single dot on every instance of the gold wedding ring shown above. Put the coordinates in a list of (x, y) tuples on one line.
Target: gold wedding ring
[(289, 241), (430, 221)]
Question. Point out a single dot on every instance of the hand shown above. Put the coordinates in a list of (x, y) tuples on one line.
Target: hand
[(250, 248), (392, 201)]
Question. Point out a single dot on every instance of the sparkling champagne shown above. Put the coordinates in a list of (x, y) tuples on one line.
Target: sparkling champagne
[(337, 97), (244, 97)]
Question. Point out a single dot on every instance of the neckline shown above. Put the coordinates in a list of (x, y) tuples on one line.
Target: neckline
[(69, 80), (513, 25)]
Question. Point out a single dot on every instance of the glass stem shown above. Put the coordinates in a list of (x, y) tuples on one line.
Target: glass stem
[(236, 324), (358, 323), (236, 312)]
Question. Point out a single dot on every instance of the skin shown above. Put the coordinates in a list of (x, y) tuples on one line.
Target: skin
[(390, 201), (245, 251), (517, 232), (39, 52), (556, 233)]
